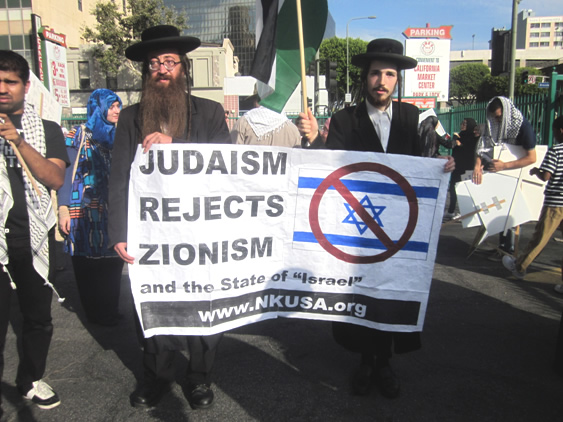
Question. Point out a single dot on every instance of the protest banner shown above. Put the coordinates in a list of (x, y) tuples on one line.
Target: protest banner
[(228, 235)]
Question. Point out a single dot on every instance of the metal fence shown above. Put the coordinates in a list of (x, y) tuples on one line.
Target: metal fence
[(535, 109)]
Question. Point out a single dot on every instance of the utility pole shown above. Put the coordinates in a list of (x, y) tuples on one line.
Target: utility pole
[(513, 49)]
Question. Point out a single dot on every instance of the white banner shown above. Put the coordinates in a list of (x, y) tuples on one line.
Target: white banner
[(431, 76), (58, 76), (228, 235)]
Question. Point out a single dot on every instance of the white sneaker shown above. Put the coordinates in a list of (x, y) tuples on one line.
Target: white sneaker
[(558, 288), (449, 214), (42, 395), (509, 263)]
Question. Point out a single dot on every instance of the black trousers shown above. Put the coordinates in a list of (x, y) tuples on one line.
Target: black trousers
[(160, 365), (99, 285), (34, 299), (456, 177)]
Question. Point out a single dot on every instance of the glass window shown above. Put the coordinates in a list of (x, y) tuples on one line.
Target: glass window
[(546, 25), (544, 44), (84, 74), (534, 35), (534, 25), (13, 4), (80, 5), (17, 42), (4, 42), (26, 3), (545, 34), (558, 44), (534, 44)]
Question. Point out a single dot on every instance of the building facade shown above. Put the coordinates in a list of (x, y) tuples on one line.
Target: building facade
[(214, 20), (536, 32)]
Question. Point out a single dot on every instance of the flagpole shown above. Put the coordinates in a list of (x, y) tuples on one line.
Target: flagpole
[(302, 57)]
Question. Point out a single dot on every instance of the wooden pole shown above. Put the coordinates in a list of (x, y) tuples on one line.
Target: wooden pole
[(302, 57), (25, 168)]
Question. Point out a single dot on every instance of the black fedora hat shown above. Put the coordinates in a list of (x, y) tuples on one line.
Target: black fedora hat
[(385, 49), (160, 37)]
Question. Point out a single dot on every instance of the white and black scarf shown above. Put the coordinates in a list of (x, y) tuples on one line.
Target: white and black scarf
[(39, 208), (508, 128)]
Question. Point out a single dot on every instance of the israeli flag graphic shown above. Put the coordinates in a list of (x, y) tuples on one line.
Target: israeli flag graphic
[(371, 215)]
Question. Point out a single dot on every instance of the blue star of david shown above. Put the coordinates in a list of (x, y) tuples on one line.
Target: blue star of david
[(360, 225)]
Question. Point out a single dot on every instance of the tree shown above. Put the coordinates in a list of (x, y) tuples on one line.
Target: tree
[(116, 30), (493, 86), (465, 81), (334, 49)]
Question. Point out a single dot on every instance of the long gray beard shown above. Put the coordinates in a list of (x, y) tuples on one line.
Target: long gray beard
[(164, 109)]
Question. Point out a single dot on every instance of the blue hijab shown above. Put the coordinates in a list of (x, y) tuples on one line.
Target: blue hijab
[(98, 106)]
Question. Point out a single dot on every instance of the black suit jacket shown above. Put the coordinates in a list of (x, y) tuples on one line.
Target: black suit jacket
[(351, 129)]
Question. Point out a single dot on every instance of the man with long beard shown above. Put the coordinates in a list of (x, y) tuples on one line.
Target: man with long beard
[(376, 124), (167, 113)]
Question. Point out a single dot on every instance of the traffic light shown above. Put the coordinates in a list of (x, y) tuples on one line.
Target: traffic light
[(312, 68), (525, 77), (330, 79)]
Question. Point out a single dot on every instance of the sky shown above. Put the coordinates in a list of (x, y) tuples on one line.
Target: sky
[(467, 17)]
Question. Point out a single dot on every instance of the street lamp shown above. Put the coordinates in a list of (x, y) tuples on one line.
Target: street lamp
[(348, 96), (473, 41)]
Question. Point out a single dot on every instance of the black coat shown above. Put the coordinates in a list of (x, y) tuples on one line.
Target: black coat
[(351, 129)]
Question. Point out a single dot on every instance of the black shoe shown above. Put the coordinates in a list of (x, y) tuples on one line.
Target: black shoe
[(201, 396), (362, 379), (149, 394), (387, 381)]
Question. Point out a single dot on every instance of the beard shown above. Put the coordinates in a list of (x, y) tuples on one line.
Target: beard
[(378, 100), (164, 109)]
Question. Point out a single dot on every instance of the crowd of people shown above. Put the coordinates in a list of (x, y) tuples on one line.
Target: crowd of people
[(91, 172)]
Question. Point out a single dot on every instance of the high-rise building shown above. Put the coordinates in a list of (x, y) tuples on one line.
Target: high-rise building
[(539, 31), (213, 20)]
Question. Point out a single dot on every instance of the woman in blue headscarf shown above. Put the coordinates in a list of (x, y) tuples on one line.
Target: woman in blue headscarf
[(83, 210)]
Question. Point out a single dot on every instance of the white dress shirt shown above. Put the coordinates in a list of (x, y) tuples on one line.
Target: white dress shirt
[(381, 121)]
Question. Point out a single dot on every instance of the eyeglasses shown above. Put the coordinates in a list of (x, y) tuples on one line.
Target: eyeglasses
[(168, 64)]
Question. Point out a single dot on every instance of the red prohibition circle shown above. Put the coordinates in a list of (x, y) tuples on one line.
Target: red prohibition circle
[(333, 179)]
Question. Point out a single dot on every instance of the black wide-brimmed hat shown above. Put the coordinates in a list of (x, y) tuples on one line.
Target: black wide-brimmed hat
[(160, 37), (385, 49)]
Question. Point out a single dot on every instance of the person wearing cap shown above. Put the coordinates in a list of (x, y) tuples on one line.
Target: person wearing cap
[(376, 124), (166, 113)]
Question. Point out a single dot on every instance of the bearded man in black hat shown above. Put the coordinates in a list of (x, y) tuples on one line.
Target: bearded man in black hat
[(167, 113), (376, 124)]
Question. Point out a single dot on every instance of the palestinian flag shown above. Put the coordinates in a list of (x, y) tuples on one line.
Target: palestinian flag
[(276, 65)]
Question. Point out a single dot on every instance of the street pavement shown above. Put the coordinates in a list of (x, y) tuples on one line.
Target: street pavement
[(488, 349)]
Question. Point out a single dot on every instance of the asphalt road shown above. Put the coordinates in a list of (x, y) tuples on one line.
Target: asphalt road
[(488, 348)]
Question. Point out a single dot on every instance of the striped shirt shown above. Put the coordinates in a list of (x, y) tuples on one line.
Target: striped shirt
[(553, 163)]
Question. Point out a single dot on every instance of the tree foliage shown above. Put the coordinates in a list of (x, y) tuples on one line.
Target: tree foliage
[(115, 30), (465, 81), (334, 49), (493, 86)]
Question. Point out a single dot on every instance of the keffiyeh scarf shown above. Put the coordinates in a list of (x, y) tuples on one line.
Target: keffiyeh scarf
[(39, 208), (507, 130), (263, 121)]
